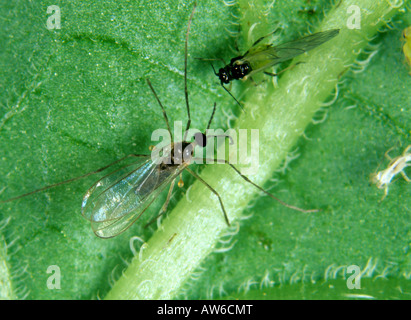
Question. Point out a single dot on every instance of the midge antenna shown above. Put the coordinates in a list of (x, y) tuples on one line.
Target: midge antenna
[(185, 72)]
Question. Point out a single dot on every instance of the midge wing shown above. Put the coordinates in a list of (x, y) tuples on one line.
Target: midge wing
[(261, 57), (117, 200)]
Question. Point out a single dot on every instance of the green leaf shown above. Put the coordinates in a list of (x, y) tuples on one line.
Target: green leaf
[(76, 99)]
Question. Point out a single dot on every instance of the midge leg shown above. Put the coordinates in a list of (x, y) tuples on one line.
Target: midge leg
[(165, 205), (261, 189), (213, 191), (74, 179)]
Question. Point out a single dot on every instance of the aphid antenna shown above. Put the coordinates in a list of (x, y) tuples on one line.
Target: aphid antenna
[(232, 97), (213, 69), (212, 66)]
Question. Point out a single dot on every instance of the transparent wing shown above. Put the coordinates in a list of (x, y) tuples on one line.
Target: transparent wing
[(261, 57), (117, 200)]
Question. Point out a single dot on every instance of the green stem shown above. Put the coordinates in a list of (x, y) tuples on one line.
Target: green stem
[(191, 231), (6, 291)]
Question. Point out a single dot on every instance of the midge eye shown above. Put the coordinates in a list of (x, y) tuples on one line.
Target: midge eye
[(200, 139)]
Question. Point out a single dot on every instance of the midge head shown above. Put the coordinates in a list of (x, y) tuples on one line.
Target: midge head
[(181, 152)]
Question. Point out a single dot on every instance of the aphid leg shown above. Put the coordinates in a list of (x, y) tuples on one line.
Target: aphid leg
[(254, 82), (272, 74), (213, 191), (165, 205), (259, 40), (74, 179), (260, 188)]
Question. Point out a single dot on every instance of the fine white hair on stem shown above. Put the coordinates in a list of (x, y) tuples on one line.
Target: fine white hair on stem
[(132, 248)]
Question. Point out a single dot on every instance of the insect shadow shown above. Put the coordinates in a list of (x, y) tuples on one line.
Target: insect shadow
[(263, 56), (119, 198)]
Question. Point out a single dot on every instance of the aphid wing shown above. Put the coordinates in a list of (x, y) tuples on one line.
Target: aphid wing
[(291, 49), (260, 60), (273, 55)]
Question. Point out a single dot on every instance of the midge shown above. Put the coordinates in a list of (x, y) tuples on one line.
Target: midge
[(118, 199), (263, 56), (383, 178)]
